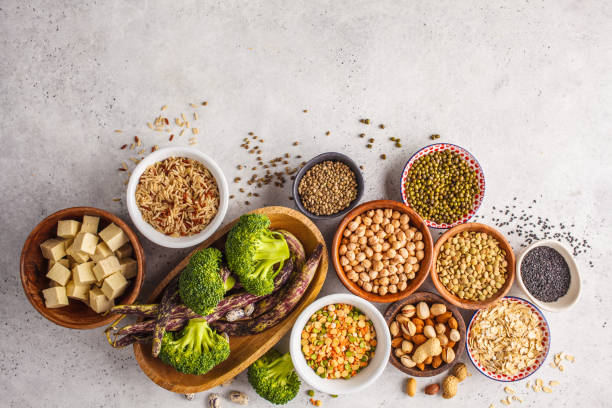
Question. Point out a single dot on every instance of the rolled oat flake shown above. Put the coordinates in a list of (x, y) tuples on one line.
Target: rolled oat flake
[(545, 273)]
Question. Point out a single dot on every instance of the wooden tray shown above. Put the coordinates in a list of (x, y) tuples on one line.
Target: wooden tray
[(246, 349)]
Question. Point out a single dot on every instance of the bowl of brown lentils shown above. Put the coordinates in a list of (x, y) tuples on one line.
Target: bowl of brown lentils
[(473, 266), (328, 186), (444, 184), (382, 251)]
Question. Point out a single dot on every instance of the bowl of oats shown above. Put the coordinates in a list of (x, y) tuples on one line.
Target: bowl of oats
[(509, 340), (177, 197)]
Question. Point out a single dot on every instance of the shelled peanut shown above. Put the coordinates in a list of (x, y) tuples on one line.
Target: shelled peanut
[(381, 251), (424, 335)]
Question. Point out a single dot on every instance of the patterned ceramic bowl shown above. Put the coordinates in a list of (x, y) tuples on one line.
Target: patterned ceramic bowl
[(543, 325), (472, 162)]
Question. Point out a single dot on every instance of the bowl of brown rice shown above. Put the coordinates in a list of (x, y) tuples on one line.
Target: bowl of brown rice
[(177, 197)]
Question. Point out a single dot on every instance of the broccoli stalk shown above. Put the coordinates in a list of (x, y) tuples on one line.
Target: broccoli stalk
[(253, 250), (201, 287), (195, 350), (273, 377)]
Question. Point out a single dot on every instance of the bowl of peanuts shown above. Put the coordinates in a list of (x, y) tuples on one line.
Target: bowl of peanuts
[(427, 334), (382, 251)]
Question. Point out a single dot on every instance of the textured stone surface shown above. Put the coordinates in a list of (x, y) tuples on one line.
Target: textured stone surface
[(525, 86)]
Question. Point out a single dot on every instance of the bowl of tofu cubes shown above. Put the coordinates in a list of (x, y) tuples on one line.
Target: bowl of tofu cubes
[(78, 263)]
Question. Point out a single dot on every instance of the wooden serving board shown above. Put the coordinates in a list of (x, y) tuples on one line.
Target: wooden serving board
[(245, 349)]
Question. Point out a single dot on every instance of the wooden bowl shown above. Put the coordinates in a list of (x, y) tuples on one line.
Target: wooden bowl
[(244, 349), (76, 315), (430, 298), (426, 262), (504, 244)]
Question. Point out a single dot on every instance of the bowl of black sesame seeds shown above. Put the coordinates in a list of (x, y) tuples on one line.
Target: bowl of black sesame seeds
[(328, 186), (548, 274)]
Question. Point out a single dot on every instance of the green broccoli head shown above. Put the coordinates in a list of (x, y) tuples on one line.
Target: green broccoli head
[(195, 350), (273, 377), (200, 284), (252, 252)]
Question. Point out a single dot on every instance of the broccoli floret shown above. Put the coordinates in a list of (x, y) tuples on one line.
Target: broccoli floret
[(273, 377), (253, 250), (195, 350), (200, 284)]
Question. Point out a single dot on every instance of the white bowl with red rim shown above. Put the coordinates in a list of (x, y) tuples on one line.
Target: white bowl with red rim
[(542, 325), (471, 161)]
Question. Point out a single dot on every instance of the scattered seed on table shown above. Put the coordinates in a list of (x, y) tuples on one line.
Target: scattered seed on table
[(170, 138), (369, 146), (296, 143), (434, 137), (382, 126), (236, 180), (123, 147), (371, 140), (362, 135), (305, 111), (327, 133), (231, 196), (383, 156), (398, 144), (204, 103), (247, 202)]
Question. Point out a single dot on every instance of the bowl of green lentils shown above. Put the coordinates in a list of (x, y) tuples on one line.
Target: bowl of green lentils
[(444, 184)]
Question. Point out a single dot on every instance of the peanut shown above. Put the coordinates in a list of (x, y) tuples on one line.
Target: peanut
[(411, 387), (407, 361), (429, 331), (454, 335), (422, 310), (432, 389), (437, 309)]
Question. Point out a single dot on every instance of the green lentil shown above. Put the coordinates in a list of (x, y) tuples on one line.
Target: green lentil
[(310, 393), (441, 187)]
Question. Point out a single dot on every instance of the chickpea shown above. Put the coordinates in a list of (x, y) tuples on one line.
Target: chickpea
[(404, 219), (364, 277), (396, 245), (367, 221), (390, 253), (399, 259), (362, 240), (373, 240), (420, 254), (377, 256), (343, 260), (352, 225), (396, 215), (377, 266), (385, 246), (416, 267), (403, 277), (373, 274), (393, 279), (419, 245), (352, 275), (387, 212), (350, 255), (377, 247), (381, 235), (392, 288), (389, 229), (367, 287), (359, 268), (347, 268), (400, 235), (375, 288), (385, 221), (366, 263), (382, 291), (412, 260), (354, 263), (402, 285), (418, 236), (370, 213), (375, 227), (369, 233), (360, 283), (369, 252), (360, 256), (396, 224), (383, 273), (379, 212), (403, 253), (361, 231), (409, 235), (393, 269), (408, 268), (353, 238), (347, 232), (384, 281), (377, 219), (342, 249)]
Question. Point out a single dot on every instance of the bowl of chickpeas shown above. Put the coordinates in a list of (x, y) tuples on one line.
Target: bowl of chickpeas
[(382, 251)]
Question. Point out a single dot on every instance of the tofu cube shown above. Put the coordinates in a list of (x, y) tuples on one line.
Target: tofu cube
[(63, 261), (76, 291), (106, 267), (129, 268), (125, 251), (90, 224), (114, 285), (76, 256), (98, 302), (102, 252), (85, 242), (82, 274), (68, 228), (114, 237), (59, 273), (53, 249), (55, 297)]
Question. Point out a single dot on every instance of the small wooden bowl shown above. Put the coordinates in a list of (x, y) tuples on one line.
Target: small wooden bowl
[(426, 262), (429, 298), (504, 244), (76, 315)]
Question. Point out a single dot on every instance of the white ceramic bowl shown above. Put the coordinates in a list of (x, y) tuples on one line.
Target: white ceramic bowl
[(366, 376), (151, 233), (573, 293)]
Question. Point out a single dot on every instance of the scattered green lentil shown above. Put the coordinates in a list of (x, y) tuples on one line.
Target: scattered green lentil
[(382, 126), (383, 156), (365, 121), (369, 146), (247, 203), (327, 133), (310, 393), (296, 143), (441, 187), (371, 140), (236, 179), (434, 137), (362, 135), (305, 111)]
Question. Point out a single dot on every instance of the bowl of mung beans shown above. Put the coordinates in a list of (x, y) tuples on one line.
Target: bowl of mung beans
[(444, 184), (473, 266), (382, 251), (328, 186), (340, 344)]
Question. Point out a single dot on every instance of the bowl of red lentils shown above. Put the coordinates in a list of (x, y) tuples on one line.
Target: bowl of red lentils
[(340, 344)]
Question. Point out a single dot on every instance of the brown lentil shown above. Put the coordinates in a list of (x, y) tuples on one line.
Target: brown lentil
[(327, 188)]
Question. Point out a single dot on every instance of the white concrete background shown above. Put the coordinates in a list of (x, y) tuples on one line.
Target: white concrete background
[(526, 86)]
